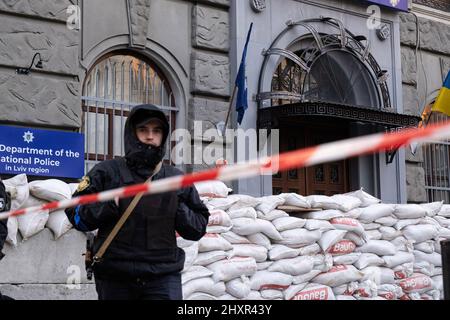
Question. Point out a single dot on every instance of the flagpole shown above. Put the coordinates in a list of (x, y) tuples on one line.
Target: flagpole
[(229, 110)]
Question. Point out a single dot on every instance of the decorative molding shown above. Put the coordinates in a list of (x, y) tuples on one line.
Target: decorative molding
[(269, 117), (138, 18), (431, 13)]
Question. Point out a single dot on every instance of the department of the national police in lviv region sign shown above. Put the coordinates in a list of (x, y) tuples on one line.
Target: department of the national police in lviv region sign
[(394, 4), (39, 152)]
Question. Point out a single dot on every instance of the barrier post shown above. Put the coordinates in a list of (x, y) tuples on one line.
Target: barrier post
[(445, 253)]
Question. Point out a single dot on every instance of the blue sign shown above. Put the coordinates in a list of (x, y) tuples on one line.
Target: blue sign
[(394, 4), (41, 152)]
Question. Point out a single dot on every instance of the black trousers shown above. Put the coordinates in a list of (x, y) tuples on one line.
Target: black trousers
[(162, 287)]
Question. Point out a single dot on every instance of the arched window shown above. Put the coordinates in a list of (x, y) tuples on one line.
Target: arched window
[(115, 84)]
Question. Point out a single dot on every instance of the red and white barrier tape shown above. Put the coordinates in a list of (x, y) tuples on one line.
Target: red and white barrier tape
[(299, 158)]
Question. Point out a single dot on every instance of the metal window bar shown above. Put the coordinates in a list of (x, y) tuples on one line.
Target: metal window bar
[(132, 87), (437, 165)]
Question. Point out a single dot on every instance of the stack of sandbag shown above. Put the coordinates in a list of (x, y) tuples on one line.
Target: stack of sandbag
[(36, 193), (350, 247)]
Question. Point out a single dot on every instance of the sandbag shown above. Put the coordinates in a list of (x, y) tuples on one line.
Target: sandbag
[(212, 188), (401, 224), (213, 241), (346, 202), (278, 252), (379, 275), (221, 203), (416, 283), (239, 287), (195, 272), (309, 250), (323, 262), (191, 255), (359, 241), (259, 253), (228, 269), (260, 239), (246, 212), (262, 280), (409, 211), (271, 215), (243, 201), (421, 232), (426, 246), (18, 187), (203, 285), (323, 202), (50, 190), (304, 278), (246, 226), (366, 198), (58, 223), (287, 223), (433, 258), (323, 215), (433, 208), (350, 258), (330, 238), (206, 258), (234, 238), (294, 266), (387, 221), (378, 247), (271, 294), (368, 259), (263, 265), (373, 235), (293, 199), (321, 225), (299, 237), (33, 222), (348, 224), (398, 259), (219, 217), (374, 212), (13, 227), (389, 233), (445, 211), (342, 247), (290, 292), (315, 292), (269, 203)]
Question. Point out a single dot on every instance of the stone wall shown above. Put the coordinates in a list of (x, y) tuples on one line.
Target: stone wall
[(421, 82)]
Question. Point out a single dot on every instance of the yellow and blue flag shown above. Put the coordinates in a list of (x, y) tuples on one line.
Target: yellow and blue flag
[(442, 103), (241, 83)]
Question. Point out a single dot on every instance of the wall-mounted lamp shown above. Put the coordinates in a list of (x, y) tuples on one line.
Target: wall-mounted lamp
[(28, 70)]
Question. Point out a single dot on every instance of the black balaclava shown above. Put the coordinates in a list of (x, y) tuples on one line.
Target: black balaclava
[(143, 158)]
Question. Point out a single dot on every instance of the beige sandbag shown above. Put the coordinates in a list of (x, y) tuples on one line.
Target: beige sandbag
[(50, 190), (32, 222), (18, 187), (315, 291), (195, 272), (338, 275), (212, 188), (58, 223), (13, 227), (228, 269)]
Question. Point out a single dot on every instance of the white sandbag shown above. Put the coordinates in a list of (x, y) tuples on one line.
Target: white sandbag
[(219, 217), (254, 295), (239, 287), (371, 226), (437, 246), (390, 291), (348, 224), (323, 202), (212, 188), (259, 253), (234, 238), (263, 265), (368, 259), (191, 255), (346, 202), (287, 223), (13, 227), (416, 283), (183, 243), (321, 225), (366, 198), (388, 221), (279, 251), (221, 203), (262, 280), (389, 233), (58, 223), (243, 201), (260, 239), (365, 289), (338, 275), (359, 241), (293, 199), (423, 267), (33, 222), (401, 224), (437, 271), (294, 266), (443, 233), (433, 258), (246, 226), (403, 244), (375, 211), (404, 270), (444, 222), (206, 258), (426, 246), (73, 187), (445, 211), (409, 211), (213, 241), (217, 229), (228, 269), (309, 250), (350, 258), (269, 203), (271, 215), (398, 259), (345, 297), (432, 208), (438, 282), (379, 275), (330, 238), (246, 212), (354, 213), (373, 235), (195, 272), (323, 262), (202, 296), (271, 294), (420, 233), (305, 278), (315, 292), (290, 292), (323, 215), (378, 247), (18, 187), (50, 190), (203, 285), (299, 237)]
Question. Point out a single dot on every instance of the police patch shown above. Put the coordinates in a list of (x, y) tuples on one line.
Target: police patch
[(85, 182), (2, 204)]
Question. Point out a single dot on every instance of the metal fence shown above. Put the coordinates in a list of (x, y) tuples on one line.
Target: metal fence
[(112, 87), (437, 165)]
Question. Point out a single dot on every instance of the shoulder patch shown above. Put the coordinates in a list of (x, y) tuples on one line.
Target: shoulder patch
[(85, 182)]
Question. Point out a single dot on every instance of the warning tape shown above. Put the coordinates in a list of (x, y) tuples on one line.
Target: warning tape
[(268, 165)]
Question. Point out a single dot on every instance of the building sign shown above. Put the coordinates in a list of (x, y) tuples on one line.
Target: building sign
[(41, 152), (394, 4)]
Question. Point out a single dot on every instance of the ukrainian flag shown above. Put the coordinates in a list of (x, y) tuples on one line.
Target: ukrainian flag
[(442, 103)]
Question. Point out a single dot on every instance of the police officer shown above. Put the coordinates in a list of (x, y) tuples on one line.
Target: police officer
[(5, 205), (143, 261)]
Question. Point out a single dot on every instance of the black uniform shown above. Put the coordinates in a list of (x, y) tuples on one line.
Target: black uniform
[(4, 206), (143, 261)]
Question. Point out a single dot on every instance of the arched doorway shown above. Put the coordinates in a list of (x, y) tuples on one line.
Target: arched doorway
[(114, 84)]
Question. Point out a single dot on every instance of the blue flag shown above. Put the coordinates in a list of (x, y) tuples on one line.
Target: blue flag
[(241, 83)]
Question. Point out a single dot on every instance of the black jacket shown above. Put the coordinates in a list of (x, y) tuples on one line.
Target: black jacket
[(4, 205)]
